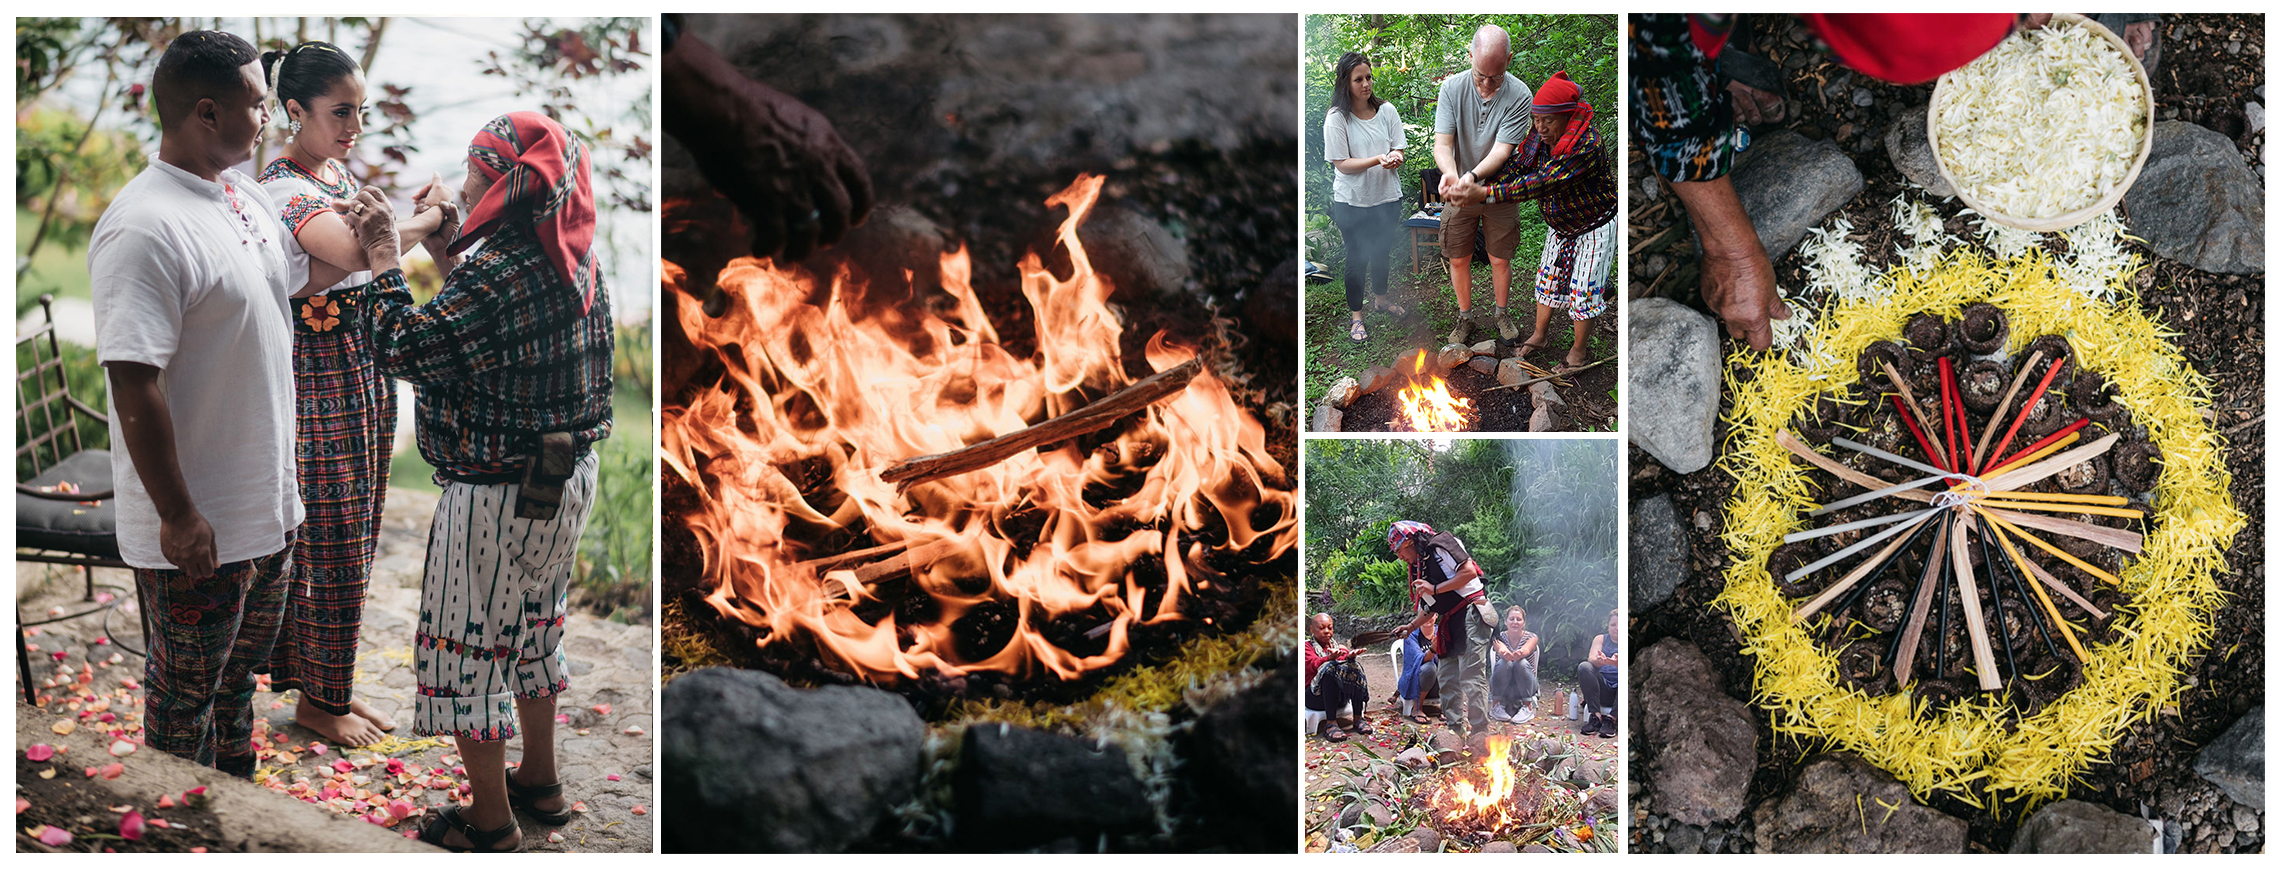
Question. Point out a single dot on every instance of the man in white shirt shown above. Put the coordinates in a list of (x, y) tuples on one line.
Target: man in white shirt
[(191, 322)]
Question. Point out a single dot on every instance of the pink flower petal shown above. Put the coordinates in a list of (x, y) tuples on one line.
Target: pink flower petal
[(559, 718), (614, 777), (122, 748), (39, 752), (640, 810), (131, 825), (603, 709), (343, 766), (22, 805), (316, 748), (54, 836), (113, 770)]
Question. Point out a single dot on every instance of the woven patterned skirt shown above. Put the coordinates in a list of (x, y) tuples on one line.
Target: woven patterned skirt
[(346, 431)]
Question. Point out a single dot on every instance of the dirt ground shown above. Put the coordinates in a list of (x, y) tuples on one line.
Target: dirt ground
[(2219, 320)]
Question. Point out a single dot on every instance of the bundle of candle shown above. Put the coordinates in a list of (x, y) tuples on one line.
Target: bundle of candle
[(1866, 688)]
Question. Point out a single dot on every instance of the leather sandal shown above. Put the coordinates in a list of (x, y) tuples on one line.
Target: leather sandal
[(526, 798), (448, 818)]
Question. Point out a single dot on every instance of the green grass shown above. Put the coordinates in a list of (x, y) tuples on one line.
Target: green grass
[(55, 269)]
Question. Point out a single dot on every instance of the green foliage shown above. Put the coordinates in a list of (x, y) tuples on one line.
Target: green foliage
[(1539, 515), (613, 572)]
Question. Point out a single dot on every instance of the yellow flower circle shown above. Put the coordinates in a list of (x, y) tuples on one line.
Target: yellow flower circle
[(1982, 748)]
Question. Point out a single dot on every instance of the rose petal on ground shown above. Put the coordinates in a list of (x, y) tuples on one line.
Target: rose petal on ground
[(640, 810), (343, 766), (559, 718), (64, 726), (122, 748), (22, 805), (577, 806), (316, 748), (554, 836), (395, 766), (198, 850), (39, 752), (614, 777), (131, 825), (160, 823), (47, 773), (54, 836), (603, 709), (634, 730), (113, 770)]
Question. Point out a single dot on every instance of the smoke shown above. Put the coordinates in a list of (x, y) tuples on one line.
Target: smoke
[(1563, 497)]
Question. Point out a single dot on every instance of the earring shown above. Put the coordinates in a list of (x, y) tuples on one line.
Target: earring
[(296, 128)]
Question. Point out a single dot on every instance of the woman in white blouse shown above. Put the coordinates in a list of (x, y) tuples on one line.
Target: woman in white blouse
[(1361, 137)]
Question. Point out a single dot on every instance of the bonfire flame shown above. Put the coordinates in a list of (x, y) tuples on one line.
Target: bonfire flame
[(1489, 807), (1426, 405), (824, 389)]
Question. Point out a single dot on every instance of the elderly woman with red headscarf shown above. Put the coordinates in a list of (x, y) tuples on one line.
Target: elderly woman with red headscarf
[(1566, 168), (512, 364)]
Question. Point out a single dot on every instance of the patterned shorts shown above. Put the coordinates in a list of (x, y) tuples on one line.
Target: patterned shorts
[(492, 606), (1584, 294)]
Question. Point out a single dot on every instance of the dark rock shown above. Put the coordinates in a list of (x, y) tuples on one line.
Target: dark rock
[(1864, 98), (1705, 744), (1911, 151), (1136, 253), (1483, 364), (1683, 839), (1376, 378), (1396, 846), (1428, 840), (1547, 418), (1273, 306), (1788, 183), (2073, 827), (754, 765), (1500, 847), (2235, 762), (1415, 756), (1674, 382), (1534, 848), (1824, 814), (1017, 786), (1657, 568), (1365, 812), (1240, 765), (2198, 203)]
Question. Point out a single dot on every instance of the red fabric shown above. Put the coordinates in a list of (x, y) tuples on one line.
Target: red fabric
[(1909, 48), (1315, 660), (1559, 95), (1451, 621), (1708, 40), (540, 172)]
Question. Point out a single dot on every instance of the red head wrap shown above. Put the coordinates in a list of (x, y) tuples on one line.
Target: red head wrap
[(538, 170), (1909, 48), (1560, 95)]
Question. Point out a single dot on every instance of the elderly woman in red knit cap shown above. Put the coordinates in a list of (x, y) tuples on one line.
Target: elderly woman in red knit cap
[(1565, 167), (512, 360)]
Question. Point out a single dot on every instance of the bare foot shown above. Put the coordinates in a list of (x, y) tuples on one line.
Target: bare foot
[(545, 805), (1535, 342), (1578, 356), (364, 711), (344, 730)]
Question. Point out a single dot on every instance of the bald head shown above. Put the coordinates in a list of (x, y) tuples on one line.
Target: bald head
[(1321, 628), (1491, 50)]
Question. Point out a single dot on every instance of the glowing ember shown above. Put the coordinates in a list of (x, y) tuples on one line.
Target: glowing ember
[(1042, 563), (1489, 801)]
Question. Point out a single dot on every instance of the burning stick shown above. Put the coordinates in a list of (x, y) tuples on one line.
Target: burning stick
[(1979, 455), (848, 585), (1098, 415)]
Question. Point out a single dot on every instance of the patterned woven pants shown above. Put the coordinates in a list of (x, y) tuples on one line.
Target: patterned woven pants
[(346, 432), (492, 605), (1584, 293), (206, 637)]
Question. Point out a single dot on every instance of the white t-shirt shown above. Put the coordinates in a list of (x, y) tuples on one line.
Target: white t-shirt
[(188, 283), (1344, 138), (298, 197)]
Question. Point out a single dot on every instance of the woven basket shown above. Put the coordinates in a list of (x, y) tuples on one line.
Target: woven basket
[(2069, 219)]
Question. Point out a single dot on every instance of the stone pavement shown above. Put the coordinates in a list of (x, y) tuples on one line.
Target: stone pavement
[(606, 745)]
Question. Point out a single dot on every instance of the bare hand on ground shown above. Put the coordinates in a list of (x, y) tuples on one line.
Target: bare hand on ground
[(1739, 287)]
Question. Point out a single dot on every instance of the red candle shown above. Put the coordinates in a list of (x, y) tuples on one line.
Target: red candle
[(1948, 410), (1913, 429), (2027, 408)]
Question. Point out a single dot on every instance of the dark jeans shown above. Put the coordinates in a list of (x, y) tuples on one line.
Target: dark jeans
[(1596, 696), (1335, 695), (1369, 234)]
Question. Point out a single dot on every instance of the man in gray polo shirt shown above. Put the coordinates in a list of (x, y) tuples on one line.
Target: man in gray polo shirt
[(1482, 114)]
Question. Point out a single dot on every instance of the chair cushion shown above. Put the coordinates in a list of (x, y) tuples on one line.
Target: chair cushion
[(1422, 221), (68, 525)]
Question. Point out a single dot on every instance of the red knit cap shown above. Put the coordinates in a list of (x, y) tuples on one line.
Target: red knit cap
[(1558, 94)]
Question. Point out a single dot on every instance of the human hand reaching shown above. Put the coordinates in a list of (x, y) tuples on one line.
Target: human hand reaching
[(374, 222)]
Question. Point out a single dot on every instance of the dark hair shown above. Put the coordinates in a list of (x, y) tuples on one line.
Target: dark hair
[(1342, 93), (306, 72), (196, 65)]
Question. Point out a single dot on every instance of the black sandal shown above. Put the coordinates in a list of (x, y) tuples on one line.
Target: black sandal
[(481, 841), (526, 798)]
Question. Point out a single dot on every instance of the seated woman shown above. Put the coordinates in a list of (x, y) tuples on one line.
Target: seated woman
[(1599, 675), (1333, 683), (1419, 689), (1512, 679)]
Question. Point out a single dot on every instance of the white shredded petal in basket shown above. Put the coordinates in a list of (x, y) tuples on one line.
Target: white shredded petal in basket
[(2047, 122)]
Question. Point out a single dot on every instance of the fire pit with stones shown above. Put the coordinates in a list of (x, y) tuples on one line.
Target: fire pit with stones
[(1481, 388), (877, 492), (1520, 795)]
